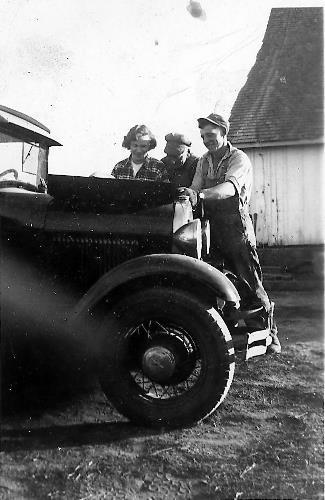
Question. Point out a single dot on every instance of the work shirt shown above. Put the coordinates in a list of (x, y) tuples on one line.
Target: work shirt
[(150, 170), (232, 213), (234, 166), (181, 173)]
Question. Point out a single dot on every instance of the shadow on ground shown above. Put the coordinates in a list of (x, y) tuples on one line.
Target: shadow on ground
[(66, 436)]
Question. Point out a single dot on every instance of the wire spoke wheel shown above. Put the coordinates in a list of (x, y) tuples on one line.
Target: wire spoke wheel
[(168, 358), (170, 361)]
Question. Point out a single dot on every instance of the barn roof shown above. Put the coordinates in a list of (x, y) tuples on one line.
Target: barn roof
[(282, 100)]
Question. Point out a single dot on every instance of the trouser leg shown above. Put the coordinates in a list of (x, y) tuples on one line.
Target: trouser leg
[(231, 241)]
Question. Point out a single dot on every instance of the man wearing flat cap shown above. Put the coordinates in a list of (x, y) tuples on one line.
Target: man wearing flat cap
[(224, 179), (179, 161)]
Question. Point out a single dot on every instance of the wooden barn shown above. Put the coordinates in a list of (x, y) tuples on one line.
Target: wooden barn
[(277, 119)]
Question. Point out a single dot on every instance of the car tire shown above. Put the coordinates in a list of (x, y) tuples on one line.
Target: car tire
[(174, 341)]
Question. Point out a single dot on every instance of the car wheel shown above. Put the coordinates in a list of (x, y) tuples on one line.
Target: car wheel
[(167, 358)]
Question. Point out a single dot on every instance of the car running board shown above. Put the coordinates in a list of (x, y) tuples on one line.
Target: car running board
[(239, 314)]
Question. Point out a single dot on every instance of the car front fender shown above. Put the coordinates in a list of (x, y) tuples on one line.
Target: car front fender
[(174, 268)]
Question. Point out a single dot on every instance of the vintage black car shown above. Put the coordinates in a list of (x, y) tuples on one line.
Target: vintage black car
[(118, 267)]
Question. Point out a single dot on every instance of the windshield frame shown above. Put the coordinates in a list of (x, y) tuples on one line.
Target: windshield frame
[(27, 138)]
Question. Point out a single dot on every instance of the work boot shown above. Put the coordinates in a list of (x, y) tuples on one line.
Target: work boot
[(275, 346)]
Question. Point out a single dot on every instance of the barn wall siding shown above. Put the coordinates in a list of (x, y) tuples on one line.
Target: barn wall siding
[(287, 194)]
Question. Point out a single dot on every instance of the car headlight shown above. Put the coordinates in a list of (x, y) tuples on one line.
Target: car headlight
[(188, 239)]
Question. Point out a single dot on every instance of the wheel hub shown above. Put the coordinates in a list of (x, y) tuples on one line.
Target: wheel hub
[(158, 363)]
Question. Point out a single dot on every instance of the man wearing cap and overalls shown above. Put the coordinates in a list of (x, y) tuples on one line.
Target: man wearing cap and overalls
[(224, 179), (180, 163)]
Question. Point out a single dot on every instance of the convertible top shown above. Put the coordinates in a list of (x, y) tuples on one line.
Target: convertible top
[(24, 127)]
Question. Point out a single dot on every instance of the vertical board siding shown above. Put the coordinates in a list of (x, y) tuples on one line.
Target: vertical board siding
[(287, 194)]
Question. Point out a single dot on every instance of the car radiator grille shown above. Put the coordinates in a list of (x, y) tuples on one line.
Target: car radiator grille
[(90, 257)]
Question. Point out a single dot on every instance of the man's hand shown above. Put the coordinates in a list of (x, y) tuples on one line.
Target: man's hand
[(184, 192)]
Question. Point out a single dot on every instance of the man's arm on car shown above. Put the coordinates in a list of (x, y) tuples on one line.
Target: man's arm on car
[(220, 192)]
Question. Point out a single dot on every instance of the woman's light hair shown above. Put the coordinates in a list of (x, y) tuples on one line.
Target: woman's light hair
[(137, 132)]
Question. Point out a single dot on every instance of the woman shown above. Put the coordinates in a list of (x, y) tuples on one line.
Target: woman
[(139, 166)]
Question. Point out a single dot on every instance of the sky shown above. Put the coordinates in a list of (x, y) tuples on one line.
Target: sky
[(91, 69)]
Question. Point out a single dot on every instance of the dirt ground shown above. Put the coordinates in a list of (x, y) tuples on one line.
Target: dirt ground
[(265, 441)]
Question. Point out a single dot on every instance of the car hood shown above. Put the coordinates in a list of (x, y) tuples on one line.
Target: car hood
[(25, 208), (91, 205), (110, 196)]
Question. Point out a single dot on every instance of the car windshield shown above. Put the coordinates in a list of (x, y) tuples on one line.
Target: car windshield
[(18, 159)]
